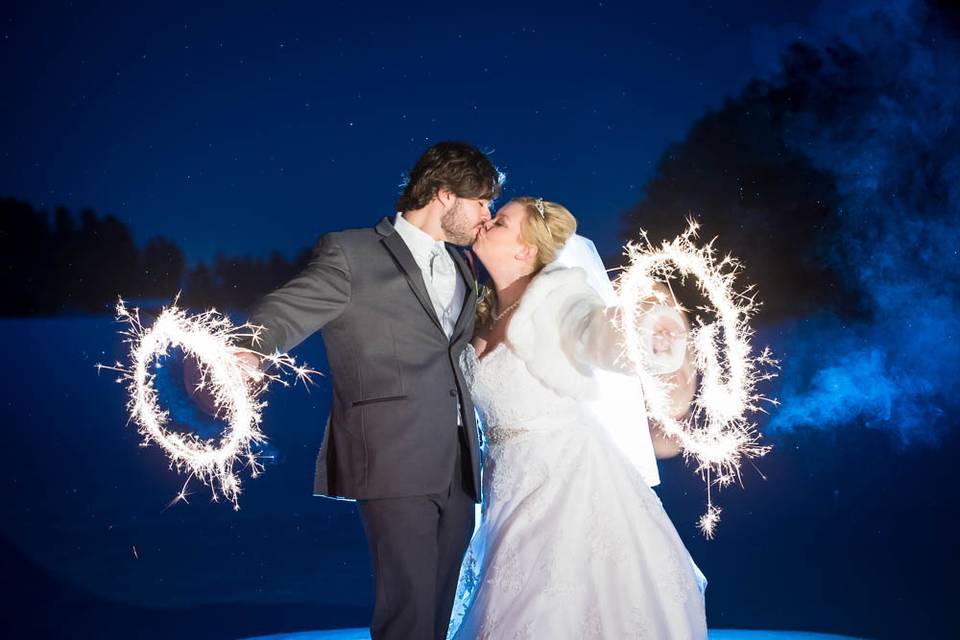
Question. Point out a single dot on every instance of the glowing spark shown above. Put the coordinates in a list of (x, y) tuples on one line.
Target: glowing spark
[(717, 435), (213, 340), (709, 520), (135, 554)]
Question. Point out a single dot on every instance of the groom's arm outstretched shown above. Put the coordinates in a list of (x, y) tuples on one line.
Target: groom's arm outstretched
[(314, 297)]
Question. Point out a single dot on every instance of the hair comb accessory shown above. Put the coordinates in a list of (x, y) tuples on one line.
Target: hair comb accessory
[(538, 203)]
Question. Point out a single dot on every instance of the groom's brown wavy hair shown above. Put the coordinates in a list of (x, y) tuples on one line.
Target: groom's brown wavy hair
[(454, 166)]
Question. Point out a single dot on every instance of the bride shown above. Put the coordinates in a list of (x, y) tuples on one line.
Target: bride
[(573, 542)]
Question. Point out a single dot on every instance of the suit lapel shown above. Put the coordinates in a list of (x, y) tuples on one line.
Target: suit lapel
[(470, 301), (411, 270)]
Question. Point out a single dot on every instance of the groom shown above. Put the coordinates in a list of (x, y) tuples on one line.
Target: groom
[(395, 305)]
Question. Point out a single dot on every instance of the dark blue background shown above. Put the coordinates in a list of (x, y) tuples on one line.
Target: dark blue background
[(244, 129)]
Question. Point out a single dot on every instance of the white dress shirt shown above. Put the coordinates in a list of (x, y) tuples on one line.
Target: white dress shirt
[(445, 286)]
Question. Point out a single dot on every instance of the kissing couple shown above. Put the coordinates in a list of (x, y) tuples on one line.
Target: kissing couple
[(435, 377)]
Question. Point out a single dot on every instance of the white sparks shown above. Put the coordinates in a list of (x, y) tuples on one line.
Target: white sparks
[(717, 434), (212, 339), (709, 520)]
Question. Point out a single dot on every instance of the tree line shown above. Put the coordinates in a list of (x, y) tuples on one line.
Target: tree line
[(66, 263), (775, 173)]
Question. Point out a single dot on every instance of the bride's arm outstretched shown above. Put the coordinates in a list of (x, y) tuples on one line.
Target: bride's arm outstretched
[(592, 337)]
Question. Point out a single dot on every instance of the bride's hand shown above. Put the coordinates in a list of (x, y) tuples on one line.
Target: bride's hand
[(666, 331), (683, 384)]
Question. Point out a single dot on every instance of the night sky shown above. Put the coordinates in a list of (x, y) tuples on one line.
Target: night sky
[(244, 129), (251, 128)]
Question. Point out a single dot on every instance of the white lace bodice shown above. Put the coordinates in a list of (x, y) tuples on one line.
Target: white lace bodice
[(572, 542), (509, 399)]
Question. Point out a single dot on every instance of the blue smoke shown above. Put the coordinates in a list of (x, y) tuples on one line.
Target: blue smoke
[(882, 119)]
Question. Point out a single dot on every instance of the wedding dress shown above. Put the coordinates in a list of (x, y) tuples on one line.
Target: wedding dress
[(573, 542)]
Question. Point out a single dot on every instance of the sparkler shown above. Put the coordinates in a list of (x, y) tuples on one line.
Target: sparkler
[(717, 435), (234, 386)]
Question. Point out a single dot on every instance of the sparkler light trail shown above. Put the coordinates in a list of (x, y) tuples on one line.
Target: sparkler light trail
[(717, 434), (234, 387)]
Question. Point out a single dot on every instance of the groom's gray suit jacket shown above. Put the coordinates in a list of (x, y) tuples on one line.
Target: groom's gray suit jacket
[(396, 377)]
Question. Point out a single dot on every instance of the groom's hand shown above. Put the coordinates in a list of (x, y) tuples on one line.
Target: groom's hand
[(249, 364), (197, 387), (199, 390)]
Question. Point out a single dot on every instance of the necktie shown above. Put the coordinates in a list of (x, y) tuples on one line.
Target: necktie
[(441, 265), (443, 277), (443, 280)]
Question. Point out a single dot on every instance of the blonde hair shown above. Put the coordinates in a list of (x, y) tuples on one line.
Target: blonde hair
[(547, 229)]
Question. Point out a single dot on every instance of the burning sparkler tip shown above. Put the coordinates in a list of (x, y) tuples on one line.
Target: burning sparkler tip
[(211, 339)]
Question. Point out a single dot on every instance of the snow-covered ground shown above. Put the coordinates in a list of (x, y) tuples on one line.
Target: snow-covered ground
[(85, 519), (717, 634)]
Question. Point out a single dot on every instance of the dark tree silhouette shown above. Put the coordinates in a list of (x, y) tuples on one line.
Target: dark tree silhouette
[(237, 283), (105, 263), (736, 173), (834, 180), (25, 242), (162, 266), (62, 266)]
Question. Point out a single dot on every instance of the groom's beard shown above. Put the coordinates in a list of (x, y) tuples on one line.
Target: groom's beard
[(456, 227)]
